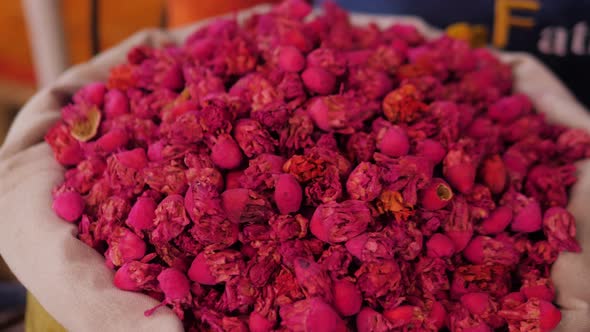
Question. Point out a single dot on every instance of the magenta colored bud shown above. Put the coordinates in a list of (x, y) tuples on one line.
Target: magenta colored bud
[(347, 298), (200, 271), (438, 315), (318, 80), (508, 109), (174, 284), (226, 153), (123, 279), (68, 205), (234, 201), (92, 93), (401, 315), (461, 176), (460, 238), (497, 222), (369, 320), (494, 174), (291, 59), (474, 252), (115, 104), (356, 245), (436, 195), (543, 292), (142, 214), (482, 327), (258, 323), (112, 141), (528, 219), (477, 303), (394, 142), (155, 150), (288, 194), (550, 316), (431, 150), (135, 158), (318, 110), (440, 245)]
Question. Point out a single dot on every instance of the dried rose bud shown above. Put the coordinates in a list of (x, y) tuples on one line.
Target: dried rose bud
[(497, 222), (288, 194), (440, 245), (168, 177), (363, 183), (360, 146), (459, 169), (226, 153), (338, 222), (176, 289), (403, 104), (403, 315), (527, 216), (459, 227), (347, 298), (286, 227), (431, 149), (258, 323), (311, 315), (560, 228), (115, 103), (535, 286), (170, 219), (494, 174), (66, 148), (487, 250), (232, 180), (245, 206), (394, 142), (574, 144), (533, 314), (342, 113), (252, 138), (291, 59), (549, 185), (318, 80), (313, 280), (135, 276), (124, 246), (369, 320), (211, 268), (482, 305), (436, 195), (68, 205), (378, 279), (508, 109), (371, 246)]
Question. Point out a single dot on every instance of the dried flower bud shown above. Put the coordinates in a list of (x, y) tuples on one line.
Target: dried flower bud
[(440, 245), (494, 174), (288, 194), (369, 320), (403, 104), (338, 222), (170, 219), (226, 153), (560, 228), (68, 205), (291, 59), (436, 195), (252, 138), (245, 206), (135, 276), (311, 315), (124, 246), (318, 80), (211, 268), (487, 250), (363, 183), (497, 222)]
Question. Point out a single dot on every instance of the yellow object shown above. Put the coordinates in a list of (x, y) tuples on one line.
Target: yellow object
[(503, 18), (475, 35), (37, 319)]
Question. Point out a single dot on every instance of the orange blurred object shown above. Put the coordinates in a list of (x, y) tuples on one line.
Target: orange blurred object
[(183, 12)]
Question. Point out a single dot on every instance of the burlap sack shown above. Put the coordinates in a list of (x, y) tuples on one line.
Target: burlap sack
[(70, 279)]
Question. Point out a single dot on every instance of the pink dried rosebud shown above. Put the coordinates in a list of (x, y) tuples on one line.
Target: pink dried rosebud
[(313, 279), (112, 141), (297, 9), (371, 83), (403, 315), (291, 59), (328, 59), (431, 150), (244, 206), (142, 214), (560, 228), (286, 227), (311, 315), (252, 138), (136, 276), (347, 298), (393, 142), (459, 169), (226, 153), (318, 80), (549, 185), (369, 320), (124, 246), (324, 189), (527, 216), (481, 305), (378, 279), (363, 183), (261, 173), (403, 104), (167, 177), (533, 314), (259, 323), (361, 146), (92, 93), (436, 195), (115, 104), (68, 205), (534, 286), (497, 222), (176, 289), (371, 246), (212, 268), (135, 158), (288, 194), (508, 109), (66, 148), (170, 220), (338, 222), (574, 144), (487, 250), (342, 113), (494, 174), (459, 227), (440, 245)]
